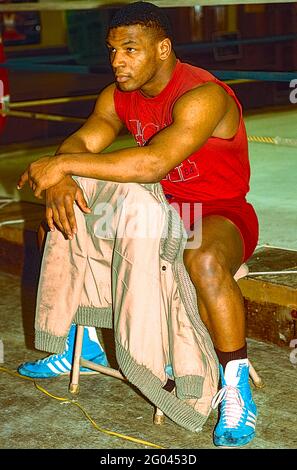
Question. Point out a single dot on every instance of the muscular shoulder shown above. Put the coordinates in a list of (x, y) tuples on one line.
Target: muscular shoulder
[(206, 99), (106, 96), (207, 93), (105, 103), (212, 104)]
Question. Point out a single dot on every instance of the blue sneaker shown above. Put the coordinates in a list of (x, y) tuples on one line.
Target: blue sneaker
[(238, 412), (60, 364)]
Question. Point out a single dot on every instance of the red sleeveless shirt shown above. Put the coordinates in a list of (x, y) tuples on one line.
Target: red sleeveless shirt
[(219, 170)]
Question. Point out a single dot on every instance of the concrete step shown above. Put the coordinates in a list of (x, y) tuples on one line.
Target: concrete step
[(19, 222), (270, 299)]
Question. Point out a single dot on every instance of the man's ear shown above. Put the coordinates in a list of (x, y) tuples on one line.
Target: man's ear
[(165, 48)]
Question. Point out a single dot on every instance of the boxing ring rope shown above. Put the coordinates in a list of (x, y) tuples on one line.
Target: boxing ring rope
[(69, 99), (59, 100), (228, 76), (287, 142), (277, 140), (92, 4), (284, 141), (43, 116)]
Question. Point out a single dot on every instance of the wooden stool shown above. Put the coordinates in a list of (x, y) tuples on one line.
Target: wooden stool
[(79, 361), (159, 417)]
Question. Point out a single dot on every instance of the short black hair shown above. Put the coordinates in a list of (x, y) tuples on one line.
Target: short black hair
[(145, 14)]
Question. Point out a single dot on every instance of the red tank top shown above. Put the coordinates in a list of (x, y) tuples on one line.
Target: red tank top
[(219, 169)]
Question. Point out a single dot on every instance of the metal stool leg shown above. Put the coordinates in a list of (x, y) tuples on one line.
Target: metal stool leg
[(74, 384)]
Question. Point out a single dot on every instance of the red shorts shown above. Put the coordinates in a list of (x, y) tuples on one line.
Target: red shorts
[(239, 211)]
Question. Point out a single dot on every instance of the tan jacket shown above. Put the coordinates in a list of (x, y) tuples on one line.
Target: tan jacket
[(124, 270)]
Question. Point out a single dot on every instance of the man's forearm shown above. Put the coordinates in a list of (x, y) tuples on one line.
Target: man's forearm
[(138, 165)]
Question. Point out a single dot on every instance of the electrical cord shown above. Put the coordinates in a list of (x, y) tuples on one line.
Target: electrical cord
[(85, 413)]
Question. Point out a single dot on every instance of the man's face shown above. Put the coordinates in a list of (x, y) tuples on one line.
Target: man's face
[(134, 56)]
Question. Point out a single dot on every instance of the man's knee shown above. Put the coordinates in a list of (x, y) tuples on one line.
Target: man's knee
[(206, 268)]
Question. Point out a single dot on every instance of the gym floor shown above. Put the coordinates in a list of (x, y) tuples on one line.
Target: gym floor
[(31, 419)]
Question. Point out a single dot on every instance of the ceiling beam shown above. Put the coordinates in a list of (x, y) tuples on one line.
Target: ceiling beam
[(93, 4)]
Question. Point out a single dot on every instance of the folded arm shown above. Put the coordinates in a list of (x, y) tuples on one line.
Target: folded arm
[(98, 132), (196, 116)]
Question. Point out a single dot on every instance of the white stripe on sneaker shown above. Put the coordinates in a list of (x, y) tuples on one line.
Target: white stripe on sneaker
[(67, 363), (61, 367), (53, 369), (250, 418), (250, 424)]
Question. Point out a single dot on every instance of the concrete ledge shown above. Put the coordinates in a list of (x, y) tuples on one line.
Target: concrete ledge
[(17, 217), (271, 299), (266, 291), (19, 222)]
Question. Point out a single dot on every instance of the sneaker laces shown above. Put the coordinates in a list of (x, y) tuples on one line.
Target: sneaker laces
[(233, 406)]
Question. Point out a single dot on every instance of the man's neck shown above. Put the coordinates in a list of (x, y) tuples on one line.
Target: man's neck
[(161, 80)]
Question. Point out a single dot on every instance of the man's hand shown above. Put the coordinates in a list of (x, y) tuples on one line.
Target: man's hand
[(59, 206), (43, 174)]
